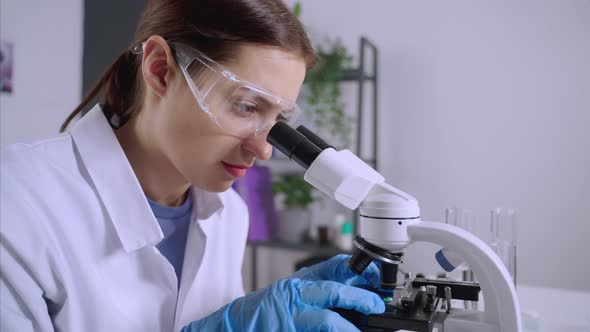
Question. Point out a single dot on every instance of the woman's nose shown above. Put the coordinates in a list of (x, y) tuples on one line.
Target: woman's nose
[(258, 146)]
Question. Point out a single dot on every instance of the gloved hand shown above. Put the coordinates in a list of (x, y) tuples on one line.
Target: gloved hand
[(336, 269), (299, 304)]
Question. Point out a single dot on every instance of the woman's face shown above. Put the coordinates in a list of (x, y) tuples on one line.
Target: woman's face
[(206, 155)]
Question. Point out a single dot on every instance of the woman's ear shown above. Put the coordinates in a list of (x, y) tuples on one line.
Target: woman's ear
[(157, 65)]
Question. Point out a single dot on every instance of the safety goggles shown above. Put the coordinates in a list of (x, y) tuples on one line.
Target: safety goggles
[(242, 108)]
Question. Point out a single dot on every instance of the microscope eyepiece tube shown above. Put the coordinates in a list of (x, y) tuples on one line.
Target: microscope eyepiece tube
[(293, 144), (315, 139)]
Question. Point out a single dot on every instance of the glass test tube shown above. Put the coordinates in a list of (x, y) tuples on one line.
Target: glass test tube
[(503, 240)]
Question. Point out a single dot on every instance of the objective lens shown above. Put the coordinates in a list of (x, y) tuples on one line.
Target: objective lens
[(359, 261), (388, 275)]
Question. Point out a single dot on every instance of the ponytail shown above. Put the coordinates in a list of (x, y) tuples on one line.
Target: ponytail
[(116, 90)]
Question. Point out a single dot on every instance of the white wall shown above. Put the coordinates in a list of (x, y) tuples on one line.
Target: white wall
[(47, 76), (483, 104)]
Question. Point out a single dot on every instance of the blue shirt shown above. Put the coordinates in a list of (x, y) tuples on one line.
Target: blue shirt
[(174, 222)]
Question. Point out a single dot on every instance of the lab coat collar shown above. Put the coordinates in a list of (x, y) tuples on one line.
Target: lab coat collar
[(120, 190), (115, 181), (205, 204)]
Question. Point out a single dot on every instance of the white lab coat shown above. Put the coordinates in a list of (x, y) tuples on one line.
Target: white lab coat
[(78, 242)]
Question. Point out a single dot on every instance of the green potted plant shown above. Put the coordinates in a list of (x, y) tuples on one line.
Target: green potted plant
[(295, 191), (322, 101), (322, 104), (295, 196)]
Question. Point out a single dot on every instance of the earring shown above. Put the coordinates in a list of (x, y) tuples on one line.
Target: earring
[(114, 119)]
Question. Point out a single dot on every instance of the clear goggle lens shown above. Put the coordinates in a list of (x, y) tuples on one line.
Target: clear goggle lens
[(240, 107)]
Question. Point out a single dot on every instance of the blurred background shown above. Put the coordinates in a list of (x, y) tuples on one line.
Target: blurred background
[(473, 104)]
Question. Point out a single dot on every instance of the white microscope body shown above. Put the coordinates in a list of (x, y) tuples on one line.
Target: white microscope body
[(390, 219)]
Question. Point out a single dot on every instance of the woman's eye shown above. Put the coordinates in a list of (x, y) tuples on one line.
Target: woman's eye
[(244, 108)]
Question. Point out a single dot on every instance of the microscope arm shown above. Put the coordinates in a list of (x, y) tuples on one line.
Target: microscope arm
[(501, 302)]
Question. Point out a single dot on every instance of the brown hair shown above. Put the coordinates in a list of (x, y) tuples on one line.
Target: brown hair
[(212, 26)]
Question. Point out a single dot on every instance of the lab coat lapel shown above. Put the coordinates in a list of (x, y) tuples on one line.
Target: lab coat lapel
[(207, 208), (115, 181)]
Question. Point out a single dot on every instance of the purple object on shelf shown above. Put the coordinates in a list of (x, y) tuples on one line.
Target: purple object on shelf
[(256, 190)]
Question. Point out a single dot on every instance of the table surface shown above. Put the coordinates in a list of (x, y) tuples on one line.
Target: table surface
[(558, 310)]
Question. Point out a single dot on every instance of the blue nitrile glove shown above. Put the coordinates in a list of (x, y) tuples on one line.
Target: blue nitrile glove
[(336, 269), (292, 305)]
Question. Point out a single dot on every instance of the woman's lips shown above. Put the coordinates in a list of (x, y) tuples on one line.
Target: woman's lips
[(236, 171)]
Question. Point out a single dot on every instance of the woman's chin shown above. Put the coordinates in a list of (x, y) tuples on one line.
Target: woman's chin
[(218, 186)]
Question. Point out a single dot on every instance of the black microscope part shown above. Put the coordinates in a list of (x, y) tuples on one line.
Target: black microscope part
[(315, 139), (417, 316), (377, 251), (359, 261), (460, 290), (293, 144), (388, 273), (412, 319)]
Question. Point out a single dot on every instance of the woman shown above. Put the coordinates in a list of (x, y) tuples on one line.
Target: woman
[(128, 222)]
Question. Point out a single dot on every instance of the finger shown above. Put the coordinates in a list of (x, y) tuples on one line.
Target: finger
[(314, 320), (322, 271), (370, 276), (342, 273), (328, 294), (338, 269)]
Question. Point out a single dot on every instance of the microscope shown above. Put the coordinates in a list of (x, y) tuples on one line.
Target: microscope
[(389, 221)]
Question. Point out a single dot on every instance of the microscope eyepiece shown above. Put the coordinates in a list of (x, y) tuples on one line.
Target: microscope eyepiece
[(293, 144), (312, 137)]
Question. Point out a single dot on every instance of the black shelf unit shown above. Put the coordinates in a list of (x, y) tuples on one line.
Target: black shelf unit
[(361, 78)]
